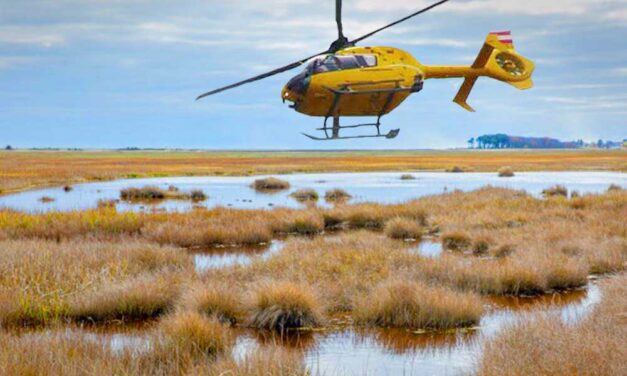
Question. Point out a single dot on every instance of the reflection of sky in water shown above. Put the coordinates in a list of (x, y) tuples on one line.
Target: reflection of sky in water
[(222, 257), (383, 187), (428, 248)]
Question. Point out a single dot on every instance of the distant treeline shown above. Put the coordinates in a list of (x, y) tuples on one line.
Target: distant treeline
[(504, 141)]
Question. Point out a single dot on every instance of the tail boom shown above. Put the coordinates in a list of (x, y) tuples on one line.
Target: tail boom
[(497, 59)]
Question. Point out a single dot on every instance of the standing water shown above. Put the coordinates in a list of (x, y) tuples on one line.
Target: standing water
[(381, 187)]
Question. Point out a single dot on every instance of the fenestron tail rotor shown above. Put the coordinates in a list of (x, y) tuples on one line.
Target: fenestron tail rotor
[(341, 43)]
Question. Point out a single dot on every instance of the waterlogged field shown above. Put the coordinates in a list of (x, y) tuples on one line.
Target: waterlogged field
[(22, 170), (419, 280)]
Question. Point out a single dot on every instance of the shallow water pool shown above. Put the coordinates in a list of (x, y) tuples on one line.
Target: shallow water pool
[(381, 187)]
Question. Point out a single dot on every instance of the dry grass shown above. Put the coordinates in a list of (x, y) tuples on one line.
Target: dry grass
[(408, 304), (506, 172), (401, 228), (270, 184), (43, 282), (596, 345), (538, 245), (282, 306), (304, 195)]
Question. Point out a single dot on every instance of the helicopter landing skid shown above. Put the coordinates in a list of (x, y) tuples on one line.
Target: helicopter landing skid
[(335, 131)]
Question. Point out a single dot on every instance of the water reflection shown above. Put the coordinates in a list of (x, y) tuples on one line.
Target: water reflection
[(364, 187), (213, 258), (399, 351)]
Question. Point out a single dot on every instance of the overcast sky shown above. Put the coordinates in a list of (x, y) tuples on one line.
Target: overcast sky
[(116, 73)]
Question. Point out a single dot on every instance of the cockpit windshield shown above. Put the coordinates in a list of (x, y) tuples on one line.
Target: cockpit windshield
[(330, 63)]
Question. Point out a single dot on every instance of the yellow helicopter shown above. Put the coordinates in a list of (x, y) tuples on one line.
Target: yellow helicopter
[(347, 80)]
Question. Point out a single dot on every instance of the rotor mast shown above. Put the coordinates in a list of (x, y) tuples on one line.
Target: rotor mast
[(341, 42)]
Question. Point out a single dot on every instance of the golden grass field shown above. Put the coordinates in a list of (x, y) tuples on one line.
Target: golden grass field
[(20, 170), (348, 264)]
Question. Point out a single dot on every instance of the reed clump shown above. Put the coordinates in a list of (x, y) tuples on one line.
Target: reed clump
[(281, 306), (305, 195), (401, 228), (270, 184), (408, 304), (506, 172)]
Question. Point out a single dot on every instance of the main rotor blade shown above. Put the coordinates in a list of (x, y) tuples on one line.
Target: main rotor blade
[(399, 21), (261, 76), (338, 19)]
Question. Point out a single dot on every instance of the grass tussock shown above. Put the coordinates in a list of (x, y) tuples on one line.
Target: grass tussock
[(555, 191), (220, 301), (106, 204), (192, 334), (506, 172), (197, 195), (456, 241), (401, 228), (337, 195), (284, 305), (456, 169), (270, 184), (614, 188), (596, 345), (305, 195), (144, 297), (415, 305)]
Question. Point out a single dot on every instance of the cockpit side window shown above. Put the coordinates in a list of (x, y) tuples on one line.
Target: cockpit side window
[(367, 60), (328, 64), (331, 63)]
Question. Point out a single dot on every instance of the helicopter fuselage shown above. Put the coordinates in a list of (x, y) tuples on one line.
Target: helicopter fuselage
[(356, 81)]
